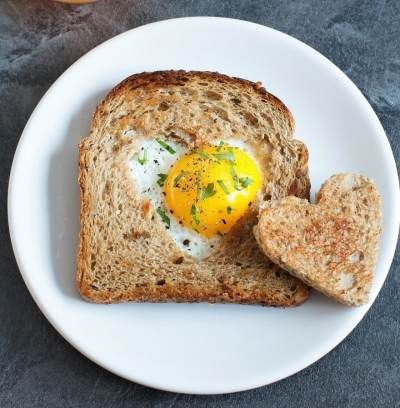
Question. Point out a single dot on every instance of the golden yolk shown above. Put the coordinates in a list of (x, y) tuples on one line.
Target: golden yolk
[(209, 190)]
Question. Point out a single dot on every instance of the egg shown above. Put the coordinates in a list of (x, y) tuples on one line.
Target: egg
[(210, 189), (199, 194)]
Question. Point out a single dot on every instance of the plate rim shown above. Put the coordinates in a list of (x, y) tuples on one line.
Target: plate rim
[(295, 368)]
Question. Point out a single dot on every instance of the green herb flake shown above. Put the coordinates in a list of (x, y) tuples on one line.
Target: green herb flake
[(163, 216), (161, 178), (207, 191), (203, 154), (178, 178), (229, 156), (245, 181), (165, 146), (235, 178), (142, 160), (223, 186), (193, 213), (220, 146), (229, 209)]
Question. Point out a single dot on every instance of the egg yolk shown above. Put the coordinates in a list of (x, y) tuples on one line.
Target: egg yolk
[(209, 190)]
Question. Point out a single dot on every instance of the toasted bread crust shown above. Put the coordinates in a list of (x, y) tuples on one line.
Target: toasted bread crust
[(157, 79), (225, 283)]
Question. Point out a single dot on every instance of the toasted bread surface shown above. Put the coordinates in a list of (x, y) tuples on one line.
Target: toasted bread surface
[(332, 245), (125, 253)]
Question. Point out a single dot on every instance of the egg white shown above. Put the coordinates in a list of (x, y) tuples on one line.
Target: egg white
[(145, 178)]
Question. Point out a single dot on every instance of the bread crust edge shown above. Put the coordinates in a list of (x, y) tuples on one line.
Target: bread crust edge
[(176, 294)]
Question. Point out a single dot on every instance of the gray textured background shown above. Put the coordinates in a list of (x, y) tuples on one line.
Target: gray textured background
[(38, 41)]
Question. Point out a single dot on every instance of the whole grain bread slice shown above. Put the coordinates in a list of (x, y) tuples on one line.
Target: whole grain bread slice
[(332, 245), (125, 253)]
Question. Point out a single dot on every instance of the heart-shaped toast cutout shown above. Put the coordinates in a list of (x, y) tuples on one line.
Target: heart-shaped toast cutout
[(331, 245)]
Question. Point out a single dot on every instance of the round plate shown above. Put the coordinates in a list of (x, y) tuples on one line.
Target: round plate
[(192, 348)]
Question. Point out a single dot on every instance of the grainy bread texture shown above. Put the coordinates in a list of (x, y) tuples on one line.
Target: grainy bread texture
[(125, 252), (332, 245)]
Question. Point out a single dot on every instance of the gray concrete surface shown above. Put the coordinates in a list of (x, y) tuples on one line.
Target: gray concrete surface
[(38, 41)]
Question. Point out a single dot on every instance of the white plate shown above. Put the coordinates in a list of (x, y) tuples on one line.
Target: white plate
[(195, 348)]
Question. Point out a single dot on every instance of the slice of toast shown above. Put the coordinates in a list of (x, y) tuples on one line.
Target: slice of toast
[(332, 245), (125, 252)]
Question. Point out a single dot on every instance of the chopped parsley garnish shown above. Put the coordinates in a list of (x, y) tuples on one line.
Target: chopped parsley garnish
[(245, 181), (221, 144), (142, 160), (229, 209), (178, 178), (161, 178), (193, 213), (165, 146), (163, 216), (234, 178), (229, 156), (207, 191), (203, 154), (223, 186)]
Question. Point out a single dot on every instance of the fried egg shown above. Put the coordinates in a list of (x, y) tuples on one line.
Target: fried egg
[(198, 194)]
